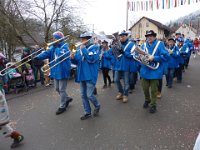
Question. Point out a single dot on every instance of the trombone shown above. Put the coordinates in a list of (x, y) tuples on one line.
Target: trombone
[(15, 65), (72, 50)]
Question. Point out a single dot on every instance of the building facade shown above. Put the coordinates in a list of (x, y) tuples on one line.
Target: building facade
[(145, 24), (188, 31)]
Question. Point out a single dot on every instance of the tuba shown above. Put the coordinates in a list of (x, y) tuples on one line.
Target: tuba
[(143, 57), (116, 46)]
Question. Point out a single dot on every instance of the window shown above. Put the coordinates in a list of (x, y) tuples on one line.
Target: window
[(140, 25), (147, 24)]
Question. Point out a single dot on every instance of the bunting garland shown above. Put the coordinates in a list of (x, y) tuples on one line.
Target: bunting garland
[(150, 5)]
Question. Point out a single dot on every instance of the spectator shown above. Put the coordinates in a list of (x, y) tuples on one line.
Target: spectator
[(37, 65)]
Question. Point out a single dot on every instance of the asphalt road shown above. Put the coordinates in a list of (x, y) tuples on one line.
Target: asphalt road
[(119, 126)]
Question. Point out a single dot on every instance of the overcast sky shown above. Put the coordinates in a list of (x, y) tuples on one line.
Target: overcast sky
[(110, 15)]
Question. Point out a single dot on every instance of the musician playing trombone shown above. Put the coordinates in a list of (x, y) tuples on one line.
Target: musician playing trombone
[(150, 77), (87, 60), (61, 72)]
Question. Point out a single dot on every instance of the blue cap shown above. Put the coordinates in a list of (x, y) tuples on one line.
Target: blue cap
[(180, 39), (123, 33), (86, 35), (58, 35)]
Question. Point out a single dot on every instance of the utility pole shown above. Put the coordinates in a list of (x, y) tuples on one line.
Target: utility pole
[(127, 7), (93, 28)]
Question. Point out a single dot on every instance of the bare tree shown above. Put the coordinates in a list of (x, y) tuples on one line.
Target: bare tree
[(49, 12), (22, 17)]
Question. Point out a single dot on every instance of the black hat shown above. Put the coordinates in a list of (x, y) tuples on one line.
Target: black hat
[(172, 39), (178, 33), (104, 41), (150, 32)]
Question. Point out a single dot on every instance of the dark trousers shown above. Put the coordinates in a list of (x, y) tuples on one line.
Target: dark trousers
[(179, 71), (160, 85), (170, 76), (113, 75), (106, 76), (187, 60), (132, 80), (37, 69)]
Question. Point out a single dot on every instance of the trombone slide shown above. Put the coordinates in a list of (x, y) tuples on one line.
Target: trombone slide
[(15, 65)]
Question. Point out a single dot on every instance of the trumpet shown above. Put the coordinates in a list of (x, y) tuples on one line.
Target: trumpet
[(143, 57), (28, 58), (72, 50)]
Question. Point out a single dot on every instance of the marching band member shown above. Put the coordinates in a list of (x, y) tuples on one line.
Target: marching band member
[(123, 67), (134, 67), (150, 77), (183, 49), (191, 48), (173, 61), (87, 60), (61, 72), (113, 64), (177, 36), (106, 63), (165, 69)]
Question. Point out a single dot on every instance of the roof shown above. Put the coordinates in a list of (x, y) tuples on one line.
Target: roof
[(39, 37), (158, 24), (187, 26)]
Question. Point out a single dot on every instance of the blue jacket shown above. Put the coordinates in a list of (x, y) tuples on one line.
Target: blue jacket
[(184, 50), (106, 59), (190, 45), (173, 59), (113, 61), (87, 64), (123, 63), (134, 65), (161, 55), (62, 70)]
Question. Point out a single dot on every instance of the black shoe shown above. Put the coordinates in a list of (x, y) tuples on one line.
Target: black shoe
[(95, 91), (130, 91), (60, 111), (179, 81), (152, 109), (17, 141), (85, 116), (67, 102), (105, 86), (96, 112), (146, 104), (169, 86)]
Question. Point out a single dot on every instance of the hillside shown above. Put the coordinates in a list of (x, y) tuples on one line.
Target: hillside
[(192, 19)]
